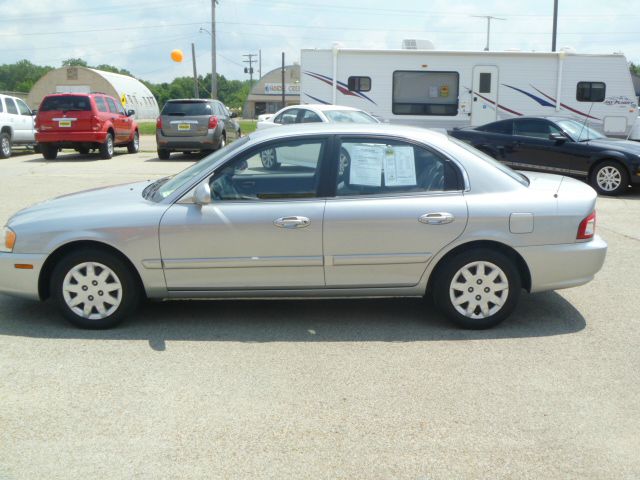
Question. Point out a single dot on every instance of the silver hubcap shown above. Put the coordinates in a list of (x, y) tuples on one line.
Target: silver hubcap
[(6, 147), (110, 145), (479, 290), (136, 140), (267, 158), (609, 178), (92, 290)]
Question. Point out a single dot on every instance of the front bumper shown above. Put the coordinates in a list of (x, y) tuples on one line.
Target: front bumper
[(20, 282), (553, 267)]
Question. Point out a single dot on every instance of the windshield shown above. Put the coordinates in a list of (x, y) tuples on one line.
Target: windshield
[(65, 103), (161, 189), (578, 131), (500, 166), (187, 108), (349, 116)]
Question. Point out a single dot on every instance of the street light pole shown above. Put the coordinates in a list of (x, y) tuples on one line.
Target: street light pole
[(555, 25), (214, 80), (489, 18)]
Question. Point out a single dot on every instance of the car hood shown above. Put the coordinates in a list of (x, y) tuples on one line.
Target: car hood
[(89, 203), (628, 146)]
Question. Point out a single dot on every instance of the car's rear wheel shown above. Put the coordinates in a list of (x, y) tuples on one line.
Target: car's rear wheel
[(94, 289), (609, 178), (134, 145), (106, 148), (269, 159), (49, 150), (223, 141), (477, 289), (163, 154), (5, 145)]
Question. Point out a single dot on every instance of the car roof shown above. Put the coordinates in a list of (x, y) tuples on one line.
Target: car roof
[(323, 108)]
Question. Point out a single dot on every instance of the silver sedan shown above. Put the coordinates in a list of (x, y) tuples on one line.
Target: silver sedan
[(415, 213)]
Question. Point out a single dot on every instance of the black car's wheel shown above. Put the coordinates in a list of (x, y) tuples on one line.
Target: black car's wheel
[(5, 145), (609, 178), (94, 289), (134, 145), (477, 289), (49, 150), (269, 159), (106, 148), (164, 154)]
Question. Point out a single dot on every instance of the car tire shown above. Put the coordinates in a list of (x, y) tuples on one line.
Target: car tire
[(609, 178), (164, 154), (106, 148), (5, 145), (223, 141), (94, 289), (134, 145), (477, 289), (269, 159), (49, 150)]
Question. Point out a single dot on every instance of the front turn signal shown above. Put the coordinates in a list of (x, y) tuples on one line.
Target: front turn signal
[(8, 240)]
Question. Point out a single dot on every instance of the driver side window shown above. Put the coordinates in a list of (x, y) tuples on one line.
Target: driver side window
[(283, 170)]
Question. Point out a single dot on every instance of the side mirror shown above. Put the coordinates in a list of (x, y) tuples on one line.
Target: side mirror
[(34, 112), (202, 194), (234, 114), (131, 113), (557, 137)]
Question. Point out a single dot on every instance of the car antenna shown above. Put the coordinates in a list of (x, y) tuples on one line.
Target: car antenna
[(586, 119)]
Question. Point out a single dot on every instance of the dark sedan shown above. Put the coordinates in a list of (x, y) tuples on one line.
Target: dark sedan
[(559, 145)]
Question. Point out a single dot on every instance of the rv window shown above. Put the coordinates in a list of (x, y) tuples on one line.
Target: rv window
[(485, 83), (425, 93), (359, 84), (590, 91)]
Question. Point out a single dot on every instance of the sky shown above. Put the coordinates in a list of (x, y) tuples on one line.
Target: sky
[(139, 35)]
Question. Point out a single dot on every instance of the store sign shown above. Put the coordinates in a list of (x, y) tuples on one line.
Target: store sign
[(290, 88)]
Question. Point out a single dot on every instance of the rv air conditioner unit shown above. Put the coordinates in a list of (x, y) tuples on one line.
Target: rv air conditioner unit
[(413, 44)]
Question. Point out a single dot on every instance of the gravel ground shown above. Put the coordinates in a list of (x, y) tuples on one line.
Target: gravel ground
[(338, 389)]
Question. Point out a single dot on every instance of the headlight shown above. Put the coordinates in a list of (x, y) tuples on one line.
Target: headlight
[(7, 239)]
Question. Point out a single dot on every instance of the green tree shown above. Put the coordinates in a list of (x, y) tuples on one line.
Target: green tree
[(634, 68), (74, 62)]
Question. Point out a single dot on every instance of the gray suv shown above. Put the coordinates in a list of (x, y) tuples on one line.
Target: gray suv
[(194, 125)]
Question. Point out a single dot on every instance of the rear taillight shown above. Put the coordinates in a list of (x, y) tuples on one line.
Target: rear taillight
[(213, 122), (159, 123), (96, 124), (587, 228)]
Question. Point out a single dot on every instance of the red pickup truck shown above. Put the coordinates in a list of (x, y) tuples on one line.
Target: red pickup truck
[(84, 122)]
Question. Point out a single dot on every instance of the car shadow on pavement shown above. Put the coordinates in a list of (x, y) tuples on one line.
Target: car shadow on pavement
[(349, 320), (74, 157), (180, 157)]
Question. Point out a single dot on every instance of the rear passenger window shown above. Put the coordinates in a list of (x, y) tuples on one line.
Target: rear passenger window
[(102, 107), (310, 117), (535, 128), (11, 106), (504, 128), (287, 117), (112, 105), (24, 110), (392, 167), (1, 105)]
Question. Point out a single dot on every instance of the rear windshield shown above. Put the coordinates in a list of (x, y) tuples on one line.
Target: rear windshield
[(65, 104), (187, 108)]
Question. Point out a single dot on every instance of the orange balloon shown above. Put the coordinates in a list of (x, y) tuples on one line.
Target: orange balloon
[(177, 55)]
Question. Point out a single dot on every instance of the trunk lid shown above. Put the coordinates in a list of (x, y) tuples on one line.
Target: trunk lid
[(60, 113), (186, 118)]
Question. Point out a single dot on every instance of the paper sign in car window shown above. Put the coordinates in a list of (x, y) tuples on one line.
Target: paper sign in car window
[(399, 167), (366, 165)]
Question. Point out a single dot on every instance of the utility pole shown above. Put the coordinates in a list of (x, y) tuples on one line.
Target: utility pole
[(259, 63), (214, 79), (555, 25), (283, 84), (489, 18), (195, 71), (249, 69)]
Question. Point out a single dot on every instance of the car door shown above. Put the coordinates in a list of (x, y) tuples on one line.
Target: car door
[(262, 230), (396, 205), (533, 149), (12, 116), (117, 117), (24, 123)]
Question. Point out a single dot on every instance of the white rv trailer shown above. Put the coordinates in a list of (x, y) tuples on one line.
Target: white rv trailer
[(445, 89)]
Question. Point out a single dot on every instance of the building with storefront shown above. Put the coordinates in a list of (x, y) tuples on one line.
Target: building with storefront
[(266, 94)]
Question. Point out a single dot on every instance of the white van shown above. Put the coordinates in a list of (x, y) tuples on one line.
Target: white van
[(16, 124)]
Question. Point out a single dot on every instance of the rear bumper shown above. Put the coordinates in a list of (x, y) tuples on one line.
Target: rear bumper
[(210, 141), (553, 267), (20, 282), (70, 137)]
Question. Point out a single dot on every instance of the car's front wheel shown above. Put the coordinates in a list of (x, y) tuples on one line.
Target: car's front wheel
[(477, 289), (94, 289), (269, 159), (106, 148), (134, 145), (609, 178), (5, 145)]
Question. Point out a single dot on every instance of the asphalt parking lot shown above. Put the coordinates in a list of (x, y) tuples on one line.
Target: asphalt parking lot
[(349, 389)]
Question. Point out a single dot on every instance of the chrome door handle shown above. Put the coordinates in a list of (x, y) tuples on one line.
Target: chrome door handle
[(292, 222), (438, 218)]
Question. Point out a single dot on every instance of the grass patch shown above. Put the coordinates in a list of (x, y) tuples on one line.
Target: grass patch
[(147, 128), (248, 126)]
